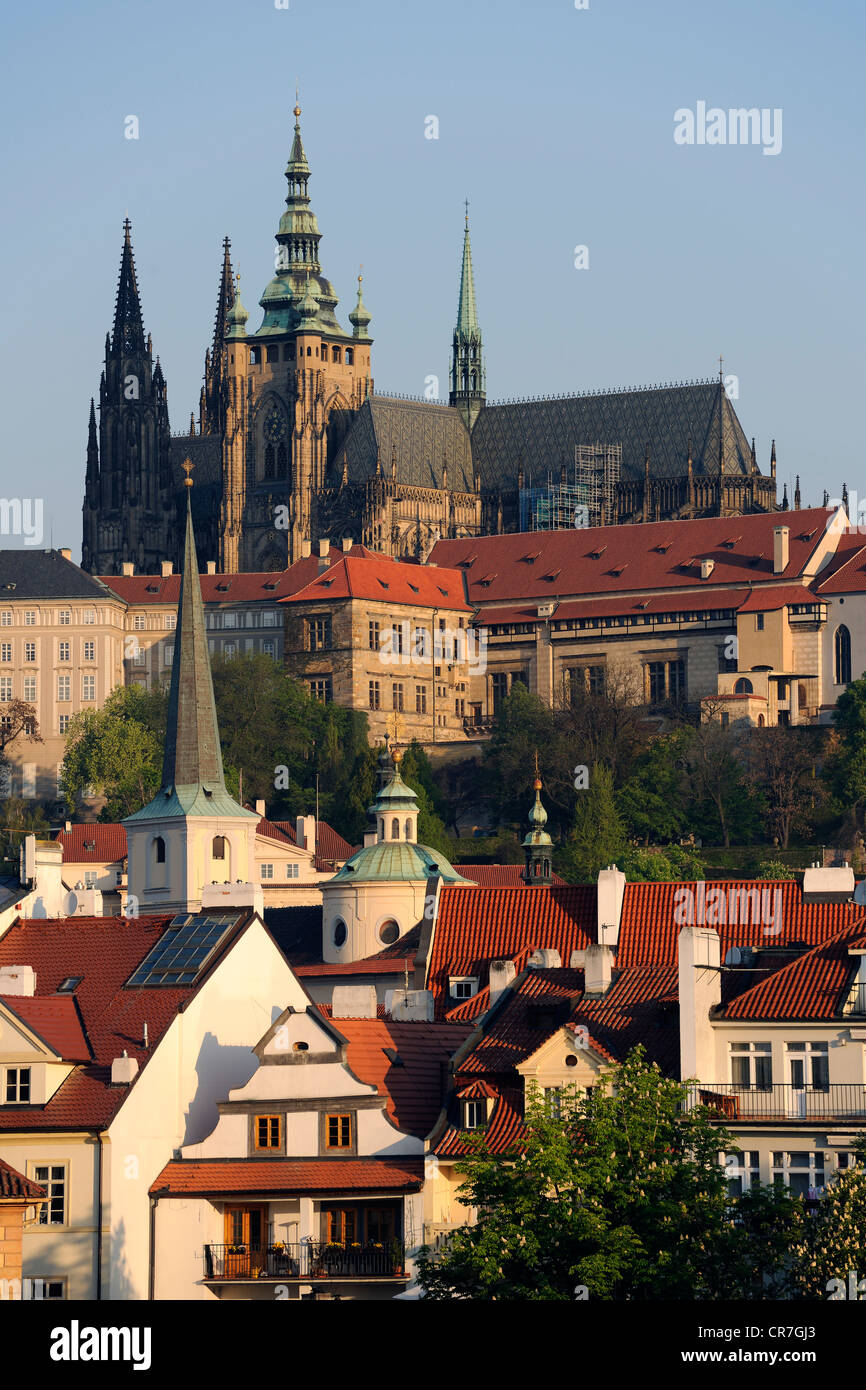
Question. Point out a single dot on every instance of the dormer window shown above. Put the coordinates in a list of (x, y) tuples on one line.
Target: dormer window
[(474, 1114), (69, 984), (17, 1088), (462, 986)]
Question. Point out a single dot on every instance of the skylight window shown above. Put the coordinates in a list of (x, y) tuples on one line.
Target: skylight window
[(183, 950), (69, 984)]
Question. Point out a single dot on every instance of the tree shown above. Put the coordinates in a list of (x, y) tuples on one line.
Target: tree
[(525, 725), (619, 1193), (597, 836), (673, 863), (714, 761), (20, 817), (116, 751), (654, 801), (603, 725), (848, 765), (782, 766), (19, 720), (834, 1241)]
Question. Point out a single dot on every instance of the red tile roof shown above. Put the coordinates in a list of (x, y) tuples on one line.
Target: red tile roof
[(225, 1177), (630, 559), (846, 572), (814, 986), (14, 1186), (103, 951), (391, 581), (331, 847), (503, 1133), (55, 1019), (772, 597), (93, 844), (497, 923), (649, 928), (497, 875), (415, 1084), (372, 965), (242, 588)]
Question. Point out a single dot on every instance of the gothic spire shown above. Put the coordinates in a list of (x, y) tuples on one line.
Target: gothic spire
[(225, 299), (467, 361), (128, 335), (467, 315)]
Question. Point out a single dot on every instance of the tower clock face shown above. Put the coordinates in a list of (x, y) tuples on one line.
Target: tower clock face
[(275, 428)]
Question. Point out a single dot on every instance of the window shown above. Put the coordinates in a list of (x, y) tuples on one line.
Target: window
[(159, 850), (291, 871), (397, 696), (64, 617), (842, 653), (218, 847), (139, 656), (270, 649), (52, 1176), (553, 1100), (340, 933), (230, 619), (90, 878), (395, 828), (64, 687), (267, 871), (230, 650), (474, 1114), (462, 986), (268, 1131), (373, 635), (5, 651), (30, 617), (30, 689), (29, 651), (168, 654), (170, 621), (500, 690), (743, 1171), (88, 687), (743, 686), (350, 356), (37, 1289), (269, 618), (17, 1085), (6, 618), (319, 633), (89, 651), (389, 932), (63, 723), (759, 622), (6, 689), (460, 708), (396, 639), (586, 678), (802, 1171), (808, 1066), (320, 689), (338, 1131), (656, 675), (374, 695), (70, 984), (752, 1066), (139, 622), (62, 651), (88, 617), (666, 680), (420, 699)]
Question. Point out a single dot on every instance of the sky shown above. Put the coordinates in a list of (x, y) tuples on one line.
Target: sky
[(556, 122)]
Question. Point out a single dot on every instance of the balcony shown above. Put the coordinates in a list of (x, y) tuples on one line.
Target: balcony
[(736, 1104), (305, 1261), (856, 1002)]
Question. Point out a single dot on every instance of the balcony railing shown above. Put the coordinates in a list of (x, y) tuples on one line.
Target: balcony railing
[(856, 1003), (306, 1260), (732, 1103)]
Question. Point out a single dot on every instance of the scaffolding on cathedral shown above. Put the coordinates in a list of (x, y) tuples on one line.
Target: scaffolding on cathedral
[(588, 498)]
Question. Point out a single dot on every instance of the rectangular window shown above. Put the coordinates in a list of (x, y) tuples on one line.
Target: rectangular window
[(230, 619), (396, 639), (743, 1171), (726, 663), (63, 723), (321, 689), (229, 650), (168, 653), (5, 651), (338, 1131), (139, 656), (677, 680), (270, 649), (499, 686), (759, 622), (64, 688), (139, 622), (462, 987), (801, 1170), (752, 1066), (29, 617), (62, 651), (474, 1114), (88, 687), (420, 699), (268, 1132), (374, 695), (89, 651), (170, 621), (90, 878), (30, 689), (29, 651), (64, 617), (6, 618), (269, 618), (397, 696), (88, 617), (267, 870), (656, 678), (52, 1176), (17, 1085), (373, 635), (5, 689)]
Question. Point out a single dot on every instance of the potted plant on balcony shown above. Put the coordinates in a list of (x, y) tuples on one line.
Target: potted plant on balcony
[(397, 1259)]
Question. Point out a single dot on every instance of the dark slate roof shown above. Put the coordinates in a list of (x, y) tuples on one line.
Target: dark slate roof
[(542, 434), (45, 574), (205, 452), (297, 931), (423, 435)]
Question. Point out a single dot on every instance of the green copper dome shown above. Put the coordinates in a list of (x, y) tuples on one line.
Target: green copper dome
[(397, 861)]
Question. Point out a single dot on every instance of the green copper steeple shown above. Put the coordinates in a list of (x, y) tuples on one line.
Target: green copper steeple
[(467, 362), (537, 845)]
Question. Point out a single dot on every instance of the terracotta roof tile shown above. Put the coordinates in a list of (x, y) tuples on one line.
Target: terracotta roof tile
[(392, 581), (497, 875), (220, 1177), (416, 1084), (93, 844), (813, 986), (14, 1185), (55, 1019)]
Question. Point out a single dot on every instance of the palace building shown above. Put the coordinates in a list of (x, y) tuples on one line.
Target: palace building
[(293, 444)]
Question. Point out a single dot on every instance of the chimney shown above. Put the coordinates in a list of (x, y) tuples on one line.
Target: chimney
[(18, 980), (408, 1005), (353, 1001), (165, 568), (124, 1070), (544, 958), (324, 556), (611, 887), (346, 544), (306, 550), (127, 567), (707, 567), (700, 989), (502, 972), (260, 807), (597, 967), (68, 827), (66, 552), (305, 833), (780, 549), (211, 566)]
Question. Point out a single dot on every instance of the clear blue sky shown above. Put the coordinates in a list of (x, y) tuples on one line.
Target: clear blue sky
[(556, 123)]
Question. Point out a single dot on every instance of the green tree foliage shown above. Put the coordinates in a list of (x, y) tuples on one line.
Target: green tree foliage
[(782, 766), (724, 801), (19, 818), (655, 800), (620, 1194), (673, 863), (834, 1240), (775, 869), (847, 769), (117, 751), (597, 836)]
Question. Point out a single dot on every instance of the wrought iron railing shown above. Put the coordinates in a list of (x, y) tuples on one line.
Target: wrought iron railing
[(729, 1102), (305, 1260), (856, 1002)]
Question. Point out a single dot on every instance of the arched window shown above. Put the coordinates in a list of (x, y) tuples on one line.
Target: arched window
[(388, 932), (159, 850), (270, 462), (842, 644), (340, 932), (760, 721), (743, 686), (395, 829), (801, 696), (408, 829), (547, 868), (218, 848), (474, 380), (350, 356)]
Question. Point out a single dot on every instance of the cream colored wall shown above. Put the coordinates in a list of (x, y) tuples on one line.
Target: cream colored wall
[(847, 1054), (188, 861), (68, 1251), (364, 908), (549, 1067)]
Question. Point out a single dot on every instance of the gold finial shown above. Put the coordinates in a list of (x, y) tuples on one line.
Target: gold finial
[(360, 276), (466, 204), (297, 103), (537, 784), (187, 467)]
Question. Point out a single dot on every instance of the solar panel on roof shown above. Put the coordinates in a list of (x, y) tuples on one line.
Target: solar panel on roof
[(183, 950)]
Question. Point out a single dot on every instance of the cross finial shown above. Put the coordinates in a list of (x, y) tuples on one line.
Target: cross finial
[(297, 111), (721, 367), (466, 205), (360, 270), (187, 467)]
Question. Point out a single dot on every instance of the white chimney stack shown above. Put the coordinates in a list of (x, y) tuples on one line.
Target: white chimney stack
[(66, 552), (305, 833), (611, 888), (165, 568), (780, 549), (409, 1005), (18, 980), (502, 972), (346, 544), (211, 566), (707, 567), (127, 567), (353, 1001), (124, 1070), (306, 549), (260, 807), (700, 990), (597, 967)]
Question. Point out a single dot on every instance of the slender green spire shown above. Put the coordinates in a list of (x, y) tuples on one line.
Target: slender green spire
[(467, 315), (467, 359)]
